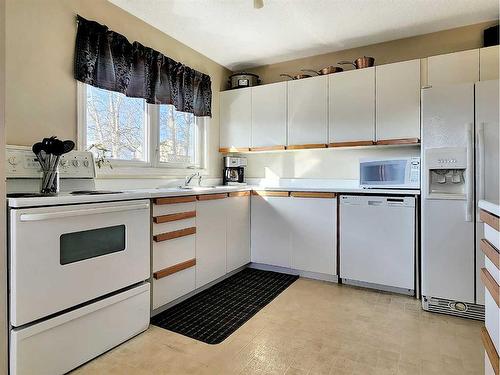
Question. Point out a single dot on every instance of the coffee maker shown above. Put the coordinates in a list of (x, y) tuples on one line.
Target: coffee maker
[(234, 171)]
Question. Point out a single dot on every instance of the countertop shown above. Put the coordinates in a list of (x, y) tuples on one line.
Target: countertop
[(66, 198), (492, 207)]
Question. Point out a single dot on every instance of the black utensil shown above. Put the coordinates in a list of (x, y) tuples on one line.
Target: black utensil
[(68, 146)]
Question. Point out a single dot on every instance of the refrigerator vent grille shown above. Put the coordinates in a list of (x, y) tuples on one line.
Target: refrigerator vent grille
[(445, 306)]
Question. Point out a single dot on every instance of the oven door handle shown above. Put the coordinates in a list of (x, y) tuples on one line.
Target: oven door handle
[(83, 212)]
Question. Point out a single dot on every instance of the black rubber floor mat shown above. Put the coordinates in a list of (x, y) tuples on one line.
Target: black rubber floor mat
[(214, 314)]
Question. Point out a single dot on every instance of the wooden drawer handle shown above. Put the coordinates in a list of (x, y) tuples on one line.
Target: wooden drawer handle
[(490, 219), (491, 252), (491, 284), (173, 269), (268, 148), (310, 194), (490, 349), (174, 234), (174, 217), (209, 197), (239, 194), (173, 200), (225, 150), (270, 193)]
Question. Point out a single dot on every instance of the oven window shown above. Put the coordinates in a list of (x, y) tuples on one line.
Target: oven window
[(92, 243)]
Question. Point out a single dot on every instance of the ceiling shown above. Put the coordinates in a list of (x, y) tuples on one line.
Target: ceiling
[(237, 36)]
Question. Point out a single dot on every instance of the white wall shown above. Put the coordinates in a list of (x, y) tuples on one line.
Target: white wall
[(340, 163)]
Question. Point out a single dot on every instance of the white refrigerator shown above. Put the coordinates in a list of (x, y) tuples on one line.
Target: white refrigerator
[(460, 159)]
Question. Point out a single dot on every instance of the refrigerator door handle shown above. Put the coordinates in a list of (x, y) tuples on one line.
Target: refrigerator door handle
[(469, 175), (480, 165)]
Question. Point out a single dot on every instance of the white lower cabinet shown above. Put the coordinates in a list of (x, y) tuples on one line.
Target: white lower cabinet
[(238, 230), (295, 232), (313, 227), (270, 230), (210, 239)]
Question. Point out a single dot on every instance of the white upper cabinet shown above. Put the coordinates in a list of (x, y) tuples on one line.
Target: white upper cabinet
[(398, 101), (458, 67), (488, 63), (308, 111), (235, 118), (352, 106), (269, 115), (238, 230)]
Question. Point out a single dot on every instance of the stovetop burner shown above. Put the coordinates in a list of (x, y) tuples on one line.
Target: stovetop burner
[(95, 192), (27, 195)]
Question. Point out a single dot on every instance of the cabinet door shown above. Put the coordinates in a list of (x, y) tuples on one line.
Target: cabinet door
[(398, 101), (270, 231), (352, 106), (488, 63), (451, 68), (308, 111), (269, 115), (238, 231), (210, 240), (313, 223), (235, 118)]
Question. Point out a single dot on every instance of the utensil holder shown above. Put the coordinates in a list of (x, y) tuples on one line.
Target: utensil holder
[(50, 181)]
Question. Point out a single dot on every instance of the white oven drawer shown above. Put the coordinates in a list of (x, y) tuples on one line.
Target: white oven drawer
[(66, 255), (58, 345), (173, 286)]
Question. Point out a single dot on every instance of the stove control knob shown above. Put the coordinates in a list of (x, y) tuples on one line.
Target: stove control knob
[(76, 163), (63, 163), (86, 163), (13, 160)]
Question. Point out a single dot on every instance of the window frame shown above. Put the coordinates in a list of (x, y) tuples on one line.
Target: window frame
[(151, 164)]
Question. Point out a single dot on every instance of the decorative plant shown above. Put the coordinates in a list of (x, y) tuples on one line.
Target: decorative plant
[(101, 158)]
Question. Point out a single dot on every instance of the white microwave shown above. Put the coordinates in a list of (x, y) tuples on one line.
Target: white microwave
[(403, 173)]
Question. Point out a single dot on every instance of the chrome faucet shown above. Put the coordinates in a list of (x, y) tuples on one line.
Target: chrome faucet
[(188, 179)]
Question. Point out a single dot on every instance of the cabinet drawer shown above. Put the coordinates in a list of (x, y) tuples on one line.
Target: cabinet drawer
[(173, 225), (169, 288), (174, 208), (492, 319), (174, 251)]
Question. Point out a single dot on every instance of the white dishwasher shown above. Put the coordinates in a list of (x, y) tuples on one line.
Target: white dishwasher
[(377, 242)]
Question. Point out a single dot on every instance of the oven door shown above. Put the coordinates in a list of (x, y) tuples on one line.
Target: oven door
[(64, 256), (384, 174)]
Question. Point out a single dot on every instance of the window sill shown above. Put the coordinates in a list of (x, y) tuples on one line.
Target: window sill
[(131, 172)]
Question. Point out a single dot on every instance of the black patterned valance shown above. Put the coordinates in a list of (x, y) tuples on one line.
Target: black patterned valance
[(107, 60)]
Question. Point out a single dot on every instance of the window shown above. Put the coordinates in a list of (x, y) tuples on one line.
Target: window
[(134, 133)]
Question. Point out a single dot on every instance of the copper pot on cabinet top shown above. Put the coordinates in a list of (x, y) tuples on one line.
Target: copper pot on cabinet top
[(360, 62), (326, 70), (296, 76)]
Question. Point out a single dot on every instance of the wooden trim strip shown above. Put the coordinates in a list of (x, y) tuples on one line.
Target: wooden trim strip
[(491, 284), (491, 252), (174, 269), (174, 234), (268, 148), (209, 197), (399, 141), (490, 219), (270, 193), (239, 194), (351, 144), (310, 194), (490, 349), (226, 150), (306, 146), (172, 200), (174, 217)]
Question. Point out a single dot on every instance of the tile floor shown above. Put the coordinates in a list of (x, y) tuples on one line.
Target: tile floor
[(313, 328)]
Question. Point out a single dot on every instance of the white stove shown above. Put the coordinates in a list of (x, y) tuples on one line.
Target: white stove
[(78, 261)]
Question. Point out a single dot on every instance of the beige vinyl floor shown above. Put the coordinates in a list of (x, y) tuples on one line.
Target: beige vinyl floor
[(313, 327)]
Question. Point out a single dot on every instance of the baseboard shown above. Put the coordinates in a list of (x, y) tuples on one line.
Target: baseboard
[(291, 271), (384, 288)]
